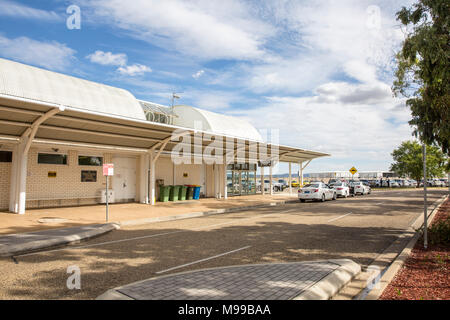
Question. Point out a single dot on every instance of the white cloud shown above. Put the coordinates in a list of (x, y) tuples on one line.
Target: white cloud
[(17, 10), (340, 120), (134, 70), (51, 55), (198, 74), (108, 58), (204, 29)]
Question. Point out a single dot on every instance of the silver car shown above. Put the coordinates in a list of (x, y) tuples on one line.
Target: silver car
[(342, 189), (361, 188), (318, 191)]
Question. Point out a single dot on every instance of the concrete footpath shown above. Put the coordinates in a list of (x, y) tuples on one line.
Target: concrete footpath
[(15, 244), (22, 243), (316, 280)]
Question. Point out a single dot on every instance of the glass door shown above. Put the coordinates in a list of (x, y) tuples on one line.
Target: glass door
[(252, 182), (230, 182), (244, 183), (236, 183)]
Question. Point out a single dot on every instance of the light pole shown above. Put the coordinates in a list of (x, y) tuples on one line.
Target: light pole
[(425, 209), (174, 96)]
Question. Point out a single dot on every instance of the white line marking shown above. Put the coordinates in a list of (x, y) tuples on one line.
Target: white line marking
[(340, 217), (206, 259), (143, 237)]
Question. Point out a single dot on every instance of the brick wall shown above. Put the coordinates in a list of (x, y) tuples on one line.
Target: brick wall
[(5, 178), (66, 184)]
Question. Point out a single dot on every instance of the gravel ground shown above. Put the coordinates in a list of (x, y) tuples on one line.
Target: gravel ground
[(426, 273)]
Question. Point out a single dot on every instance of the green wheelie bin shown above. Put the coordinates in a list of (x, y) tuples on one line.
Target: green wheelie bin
[(164, 192), (182, 193), (174, 190), (190, 192)]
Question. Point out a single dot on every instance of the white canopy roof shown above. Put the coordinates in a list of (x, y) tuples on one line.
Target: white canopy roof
[(100, 116), (215, 123), (23, 81)]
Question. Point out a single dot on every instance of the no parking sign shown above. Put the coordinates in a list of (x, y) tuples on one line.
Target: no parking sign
[(108, 169)]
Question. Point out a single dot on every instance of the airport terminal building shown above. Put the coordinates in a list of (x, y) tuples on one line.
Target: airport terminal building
[(56, 132)]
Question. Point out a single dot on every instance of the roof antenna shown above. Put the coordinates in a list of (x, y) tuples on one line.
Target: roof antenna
[(174, 96)]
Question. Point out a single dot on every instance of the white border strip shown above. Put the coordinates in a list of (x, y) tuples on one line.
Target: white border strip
[(202, 260)]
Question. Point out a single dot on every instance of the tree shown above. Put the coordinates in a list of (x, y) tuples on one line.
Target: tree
[(408, 161), (423, 70)]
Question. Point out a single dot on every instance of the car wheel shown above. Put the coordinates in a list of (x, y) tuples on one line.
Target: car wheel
[(302, 200), (323, 197)]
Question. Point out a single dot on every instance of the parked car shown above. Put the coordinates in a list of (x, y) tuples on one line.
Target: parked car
[(444, 182), (412, 183), (342, 189), (374, 183), (275, 186), (316, 191), (361, 188), (283, 184)]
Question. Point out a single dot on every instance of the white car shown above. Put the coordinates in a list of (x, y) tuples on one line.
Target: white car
[(275, 186), (413, 183), (361, 188), (342, 189), (316, 191), (439, 183)]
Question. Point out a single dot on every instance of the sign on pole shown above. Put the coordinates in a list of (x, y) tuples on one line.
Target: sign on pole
[(108, 170), (353, 170)]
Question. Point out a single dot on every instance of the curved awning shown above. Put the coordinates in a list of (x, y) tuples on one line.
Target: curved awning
[(96, 116), (215, 123), (24, 81)]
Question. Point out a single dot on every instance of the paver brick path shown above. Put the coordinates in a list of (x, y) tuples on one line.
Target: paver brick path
[(251, 282)]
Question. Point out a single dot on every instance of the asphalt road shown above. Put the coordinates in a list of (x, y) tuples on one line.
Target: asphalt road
[(357, 228)]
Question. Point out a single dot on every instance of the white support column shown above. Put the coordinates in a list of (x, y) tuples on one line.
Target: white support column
[(19, 179), (144, 160), (216, 181), (290, 179), (225, 191), (300, 174), (13, 203), (174, 174), (262, 181), (270, 180), (152, 179)]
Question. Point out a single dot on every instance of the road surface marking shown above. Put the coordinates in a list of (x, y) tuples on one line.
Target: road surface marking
[(149, 236), (340, 217), (206, 259)]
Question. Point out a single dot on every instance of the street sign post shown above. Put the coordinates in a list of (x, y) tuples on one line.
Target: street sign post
[(108, 170), (353, 171)]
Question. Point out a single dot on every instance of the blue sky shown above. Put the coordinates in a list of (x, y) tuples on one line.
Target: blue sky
[(318, 71)]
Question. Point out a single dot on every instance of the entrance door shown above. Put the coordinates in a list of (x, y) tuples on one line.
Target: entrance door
[(244, 183), (124, 180), (236, 183)]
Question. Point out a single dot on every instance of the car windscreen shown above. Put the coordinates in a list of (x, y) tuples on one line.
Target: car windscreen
[(315, 185)]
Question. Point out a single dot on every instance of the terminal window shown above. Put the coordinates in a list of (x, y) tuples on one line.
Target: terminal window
[(90, 161), (5, 156), (51, 158)]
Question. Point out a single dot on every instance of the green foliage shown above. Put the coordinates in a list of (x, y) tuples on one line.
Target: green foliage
[(408, 161), (423, 70), (439, 233)]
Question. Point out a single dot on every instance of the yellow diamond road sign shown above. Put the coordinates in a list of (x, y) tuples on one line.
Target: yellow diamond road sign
[(353, 170)]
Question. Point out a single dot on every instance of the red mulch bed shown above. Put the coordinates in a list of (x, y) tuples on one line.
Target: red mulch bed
[(426, 273)]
